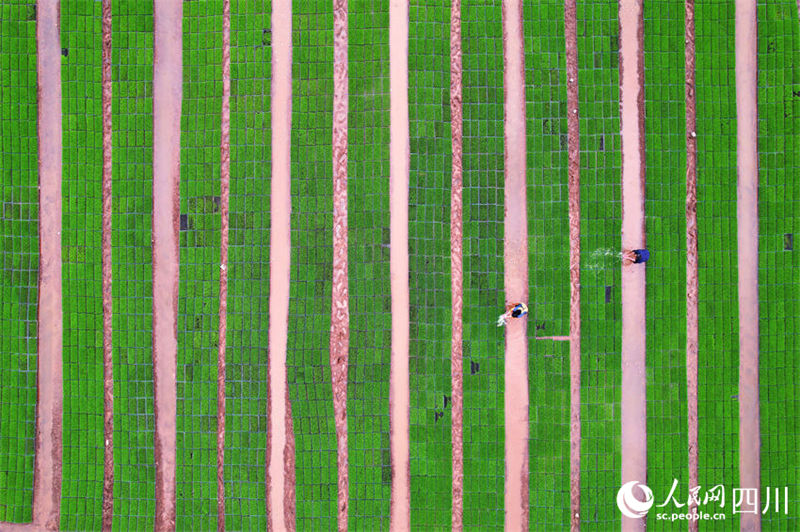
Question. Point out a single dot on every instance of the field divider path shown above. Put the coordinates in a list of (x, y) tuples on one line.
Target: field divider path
[(399, 164), (167, 96), (108, 273), (692, 279), (340, 298), (574, 193), (457, 267), (224, 208), (46, 509), (634, 376), (747, 246), (515, 271), (280, 450)]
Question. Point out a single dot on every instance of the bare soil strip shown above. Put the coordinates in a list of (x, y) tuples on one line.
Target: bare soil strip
[(399, 155), (747, 244), (634, 382), (573, 184), (225, 188), (516, 271), (108, 302), (692, 282), (340, 304), (49, 401), (556, 338), (457, 267), (167, 95), (280, 246)]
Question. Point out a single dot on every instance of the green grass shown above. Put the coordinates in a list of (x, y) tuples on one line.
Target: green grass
[(312, 255), (20, 260), (666, 233), (199, 271), (83, 356), (718, 410), (598, 78), (248, 273), (429, 252), (134, 488), (429, 263), (779, 145), (548, 236), (370, 319), (484, 296)]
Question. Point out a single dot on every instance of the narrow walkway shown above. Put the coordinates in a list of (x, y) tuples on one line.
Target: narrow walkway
[(340, 298), (692, 278), (574, 187), (747, 245), (399, 153), (49, 415), (280, 245), (457, 267), (167, 96), (516, 271), (634, 377)]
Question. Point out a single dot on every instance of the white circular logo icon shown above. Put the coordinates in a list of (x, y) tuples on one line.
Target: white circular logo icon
[(629, 505)]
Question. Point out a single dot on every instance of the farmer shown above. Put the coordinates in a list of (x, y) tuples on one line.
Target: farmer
[(636, 256), (512, 311)]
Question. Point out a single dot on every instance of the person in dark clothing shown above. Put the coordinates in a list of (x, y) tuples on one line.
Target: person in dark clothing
[(512, 311), (635, 256)]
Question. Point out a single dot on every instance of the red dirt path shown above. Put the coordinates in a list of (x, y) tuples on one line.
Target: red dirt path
[(280, 245), (399, 150), (225, 186), (457, 269), (49, 401), (108, 302), (340, 310), (516, 272), (634, 382), (574, 180), (167, 94), (747, 242), (691, 251)]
